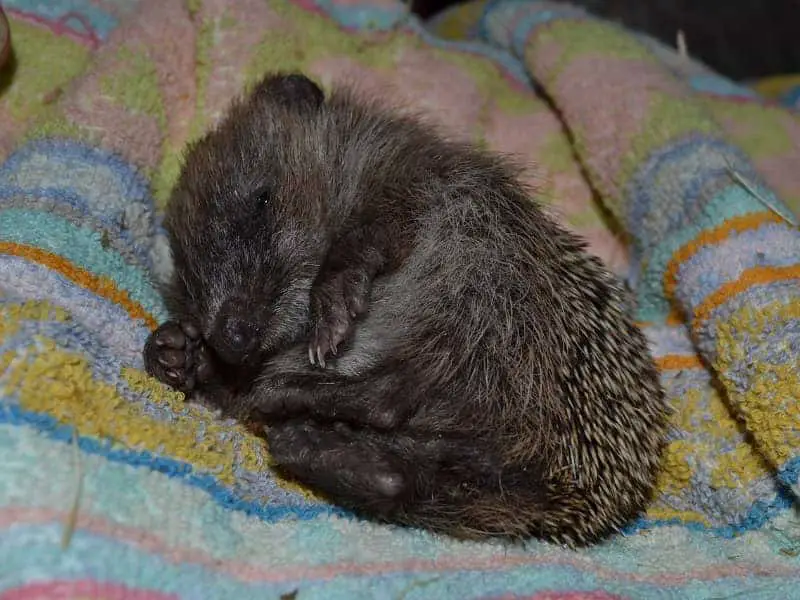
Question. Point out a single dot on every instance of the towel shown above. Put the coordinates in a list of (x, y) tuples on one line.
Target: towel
[(113, 487)]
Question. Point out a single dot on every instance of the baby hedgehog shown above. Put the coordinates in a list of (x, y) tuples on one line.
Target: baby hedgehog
[(416, 339)]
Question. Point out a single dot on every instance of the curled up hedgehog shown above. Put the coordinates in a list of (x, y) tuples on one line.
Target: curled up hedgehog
[(416, 339)]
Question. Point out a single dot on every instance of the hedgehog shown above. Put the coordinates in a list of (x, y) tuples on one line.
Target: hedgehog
[(417, 341)]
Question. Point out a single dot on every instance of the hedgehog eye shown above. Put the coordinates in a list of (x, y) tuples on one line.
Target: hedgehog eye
[(261, 195)]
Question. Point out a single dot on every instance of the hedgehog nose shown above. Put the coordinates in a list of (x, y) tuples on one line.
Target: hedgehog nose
[(236, 339)]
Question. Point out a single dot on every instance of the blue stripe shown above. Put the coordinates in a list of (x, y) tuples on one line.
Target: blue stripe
[(15, 198), (364, 17), (103, 23), (789, 473), (691, 164), (501, 59), (103, 360), (760, 513), (791, 98), (69, 172), (520, 18), (68, 154), (223, 495), (31, 280), (79, 245), (35, 554), (715, 84), (652, 304), (711, 267), (105, 365)]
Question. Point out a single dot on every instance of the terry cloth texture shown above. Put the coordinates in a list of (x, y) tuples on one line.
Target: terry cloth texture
[(112, 487)]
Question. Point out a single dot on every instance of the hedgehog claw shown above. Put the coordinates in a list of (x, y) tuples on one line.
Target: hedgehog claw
[(321, 357), (337, 300)]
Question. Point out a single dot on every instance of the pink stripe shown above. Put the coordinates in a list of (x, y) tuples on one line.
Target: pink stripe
[(80, 589), (60, 27), (143, 540)]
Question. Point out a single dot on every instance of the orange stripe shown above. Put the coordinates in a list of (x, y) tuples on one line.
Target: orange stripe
[(710, 237), (748, 279), (675, 362), (102, 286), (675, 317)]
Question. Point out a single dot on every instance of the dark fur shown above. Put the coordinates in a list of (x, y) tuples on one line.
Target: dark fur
[(491, 381)]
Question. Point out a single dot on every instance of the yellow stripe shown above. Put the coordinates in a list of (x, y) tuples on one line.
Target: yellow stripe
[(683, 516), (60, 383), (768, 400)]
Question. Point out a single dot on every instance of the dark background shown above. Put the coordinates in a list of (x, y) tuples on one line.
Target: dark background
[(742, 39)]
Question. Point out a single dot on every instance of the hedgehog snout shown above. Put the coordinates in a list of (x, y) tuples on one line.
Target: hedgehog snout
[(234, 338)]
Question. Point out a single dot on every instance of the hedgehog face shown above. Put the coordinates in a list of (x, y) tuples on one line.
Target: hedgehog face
[(244, 262)]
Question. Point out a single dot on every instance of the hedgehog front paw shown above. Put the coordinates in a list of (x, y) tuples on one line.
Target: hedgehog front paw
[(176, 354), (336, 301)]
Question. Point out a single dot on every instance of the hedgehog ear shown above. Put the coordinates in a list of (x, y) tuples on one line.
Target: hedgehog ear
[(292, 90)]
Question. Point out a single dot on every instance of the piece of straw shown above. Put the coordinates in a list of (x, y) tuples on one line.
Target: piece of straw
[(72, 517), (681, 44), (416, 585), (739, 178)]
